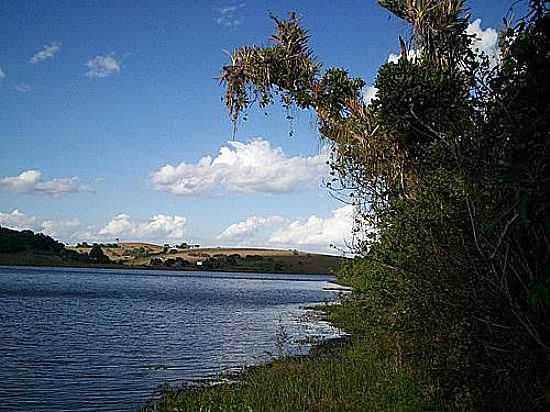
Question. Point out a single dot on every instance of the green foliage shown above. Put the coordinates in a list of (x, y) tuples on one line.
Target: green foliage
[(139, 252), (286, 68), (337, 87), (439, 28), (96, 254), (450, 169), (12, 241), (357, 375)]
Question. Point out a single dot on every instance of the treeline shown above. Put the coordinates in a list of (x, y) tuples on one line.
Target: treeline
[(221, 262), (103, 245), (13, 241), (26, 241)]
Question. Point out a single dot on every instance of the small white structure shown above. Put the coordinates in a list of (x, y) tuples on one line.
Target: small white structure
[(199, 262)]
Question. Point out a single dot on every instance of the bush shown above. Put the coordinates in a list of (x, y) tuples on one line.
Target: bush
[(12, 241), (96, 254)]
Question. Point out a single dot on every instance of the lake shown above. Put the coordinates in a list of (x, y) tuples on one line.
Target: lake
[(106, 339)]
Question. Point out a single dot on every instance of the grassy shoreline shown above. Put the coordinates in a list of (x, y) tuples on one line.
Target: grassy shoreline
[(80, 265), (351, 373)]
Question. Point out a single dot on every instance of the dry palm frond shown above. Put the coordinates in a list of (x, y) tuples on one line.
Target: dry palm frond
[(255, 73), (288, 70), (439, 27)]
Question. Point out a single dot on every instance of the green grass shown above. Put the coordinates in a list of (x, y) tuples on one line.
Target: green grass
[(355, 374)]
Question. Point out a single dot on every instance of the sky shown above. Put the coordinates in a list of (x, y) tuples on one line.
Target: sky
[(112, 124)]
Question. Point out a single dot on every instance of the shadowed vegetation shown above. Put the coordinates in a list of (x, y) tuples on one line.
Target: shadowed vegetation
[(26, 247), (449, 168)]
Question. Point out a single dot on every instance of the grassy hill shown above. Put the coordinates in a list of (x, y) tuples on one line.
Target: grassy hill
[(238, 259), (29, 248)]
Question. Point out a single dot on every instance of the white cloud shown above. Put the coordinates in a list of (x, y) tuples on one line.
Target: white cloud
[(485, 41), (2, 74), (369, 94), (62, 229), (412, 55), (249, 228), (102, 66), (118, 225), (316, 232), (242, 167), (23, 88), (30, 181), (67, 231), (47, 52), (17, 220), (228, 15), (158, 227)]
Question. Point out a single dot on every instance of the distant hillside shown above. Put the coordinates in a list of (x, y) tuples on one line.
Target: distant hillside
[(237, 259), (14, 241), (28, 248)]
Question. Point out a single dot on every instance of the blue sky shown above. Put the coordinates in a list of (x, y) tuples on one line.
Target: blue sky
[(98, 97)]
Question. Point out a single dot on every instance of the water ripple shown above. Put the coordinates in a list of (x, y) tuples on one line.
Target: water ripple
[(104, 340)]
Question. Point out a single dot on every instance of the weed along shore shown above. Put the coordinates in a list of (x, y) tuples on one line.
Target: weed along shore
[(349, 373)]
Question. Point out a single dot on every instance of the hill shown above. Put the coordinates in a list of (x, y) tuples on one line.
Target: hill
[(237, 259), (28, 248)]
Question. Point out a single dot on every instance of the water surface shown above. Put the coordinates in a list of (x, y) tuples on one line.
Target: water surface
[(105, 339)]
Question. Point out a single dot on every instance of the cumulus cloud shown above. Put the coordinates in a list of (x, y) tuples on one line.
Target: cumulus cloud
[(242, 167), (102, 66), (228, 15), (485, 41), (314, 233), (67, 231), (17, 220), (23, 88), (2, 74), (64, 230), (31, 181), (48, 51), (157, 227), (249, 228), (317, 232), (369, 94)]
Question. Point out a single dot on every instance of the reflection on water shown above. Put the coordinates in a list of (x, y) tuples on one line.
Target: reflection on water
[(91, 340)]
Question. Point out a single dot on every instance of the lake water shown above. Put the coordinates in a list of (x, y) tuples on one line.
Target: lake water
[(105, 339)]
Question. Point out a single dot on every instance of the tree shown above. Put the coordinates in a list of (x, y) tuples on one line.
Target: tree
[(449, 166), (12, 241), (97, 254)]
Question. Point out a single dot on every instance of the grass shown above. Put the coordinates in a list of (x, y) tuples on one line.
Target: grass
[(354, 374), (272, 260)]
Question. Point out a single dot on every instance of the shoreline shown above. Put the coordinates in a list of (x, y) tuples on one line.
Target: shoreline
[(353, 372), (137, 267), (324, 348)]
